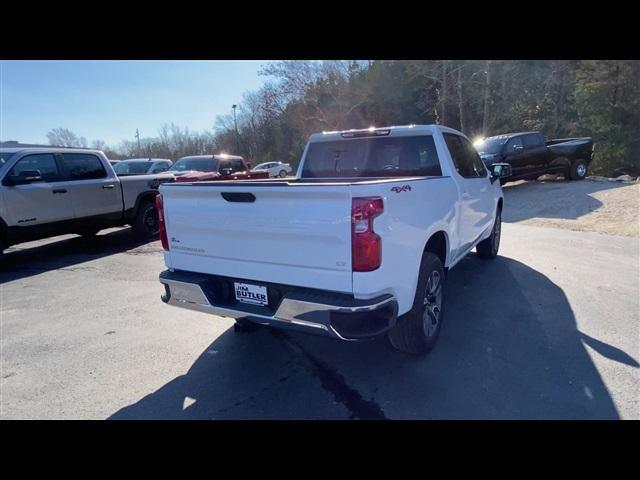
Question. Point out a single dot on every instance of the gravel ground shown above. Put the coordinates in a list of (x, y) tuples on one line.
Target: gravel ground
[(594, 205)]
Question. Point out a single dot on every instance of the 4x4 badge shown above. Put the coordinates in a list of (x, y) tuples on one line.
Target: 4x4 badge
[(404, 188)]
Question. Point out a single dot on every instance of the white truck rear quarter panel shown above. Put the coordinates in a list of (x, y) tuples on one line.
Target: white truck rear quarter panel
[(410, 218)]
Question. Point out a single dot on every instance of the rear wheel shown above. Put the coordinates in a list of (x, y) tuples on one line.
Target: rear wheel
[(146, 225), (578, 170), (282, 174), (417, 331), (488, 248)]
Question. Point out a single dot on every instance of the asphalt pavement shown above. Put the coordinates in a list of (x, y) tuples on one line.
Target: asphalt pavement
[(548, 330)]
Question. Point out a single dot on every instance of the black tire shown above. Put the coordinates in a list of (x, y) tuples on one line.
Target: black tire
[(282, 174), (145, 225), (488, 248), (417, 331), (578, 170)]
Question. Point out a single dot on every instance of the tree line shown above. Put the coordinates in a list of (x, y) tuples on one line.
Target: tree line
[(560, 98)]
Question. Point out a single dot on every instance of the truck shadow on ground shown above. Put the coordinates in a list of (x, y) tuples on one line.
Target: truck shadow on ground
[(20, 262), (509, 349), (553, 198)]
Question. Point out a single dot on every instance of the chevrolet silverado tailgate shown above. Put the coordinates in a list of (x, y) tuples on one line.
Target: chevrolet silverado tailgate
[(281, 233)]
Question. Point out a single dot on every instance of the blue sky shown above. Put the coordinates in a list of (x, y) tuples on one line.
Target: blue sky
[(108, 100)]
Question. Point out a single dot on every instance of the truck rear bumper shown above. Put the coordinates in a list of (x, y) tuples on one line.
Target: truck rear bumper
[(313, 311)]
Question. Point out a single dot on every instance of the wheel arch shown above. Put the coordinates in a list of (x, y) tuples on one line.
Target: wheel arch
[(149, 195), (438, 243)]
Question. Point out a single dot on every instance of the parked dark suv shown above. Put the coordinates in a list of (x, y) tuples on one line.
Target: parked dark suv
[(531, 156)]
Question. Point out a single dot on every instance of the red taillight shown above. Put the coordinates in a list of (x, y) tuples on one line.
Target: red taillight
[(161, 226), (366, 246)]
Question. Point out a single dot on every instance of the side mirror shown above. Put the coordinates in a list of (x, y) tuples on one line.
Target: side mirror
[(500, 170), (24, 177)]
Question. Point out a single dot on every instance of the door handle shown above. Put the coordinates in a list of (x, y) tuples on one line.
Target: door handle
[(108, 186), (59, 190)]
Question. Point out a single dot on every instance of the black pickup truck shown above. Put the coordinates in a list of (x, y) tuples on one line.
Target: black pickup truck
[(531, 156)]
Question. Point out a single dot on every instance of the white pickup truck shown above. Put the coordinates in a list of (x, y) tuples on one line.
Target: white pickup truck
[(357, 245), (46, 192)]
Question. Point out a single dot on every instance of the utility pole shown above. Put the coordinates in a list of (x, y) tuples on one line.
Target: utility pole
[(138, 137), (235, 122)]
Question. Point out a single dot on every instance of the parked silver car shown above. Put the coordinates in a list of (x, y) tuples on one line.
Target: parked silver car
[(142, 166)]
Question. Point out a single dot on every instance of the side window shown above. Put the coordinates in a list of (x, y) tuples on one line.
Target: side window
[(532, 140), (461, 160), (45, 163), (513, 144), (224, 165), (237, 165), (83, 166), (478, 167)]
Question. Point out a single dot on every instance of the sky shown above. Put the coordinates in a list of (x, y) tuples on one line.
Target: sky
[(108, 100)]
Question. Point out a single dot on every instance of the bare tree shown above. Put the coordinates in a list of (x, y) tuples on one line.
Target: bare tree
[(98, 145), (487, 98), (64, 137)]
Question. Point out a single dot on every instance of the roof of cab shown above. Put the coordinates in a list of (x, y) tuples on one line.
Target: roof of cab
[(145, 160), (396, 130), (221, 156), (507, 136), (50, 149)]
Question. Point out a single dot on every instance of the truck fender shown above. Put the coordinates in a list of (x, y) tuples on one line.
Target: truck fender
[(436, 241), (142, 196)]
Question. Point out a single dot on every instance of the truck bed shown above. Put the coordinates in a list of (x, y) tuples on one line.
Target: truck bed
[(286, 231)]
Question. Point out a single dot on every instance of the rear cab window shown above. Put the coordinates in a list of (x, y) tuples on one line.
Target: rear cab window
[(372, 157), (83, 166)]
